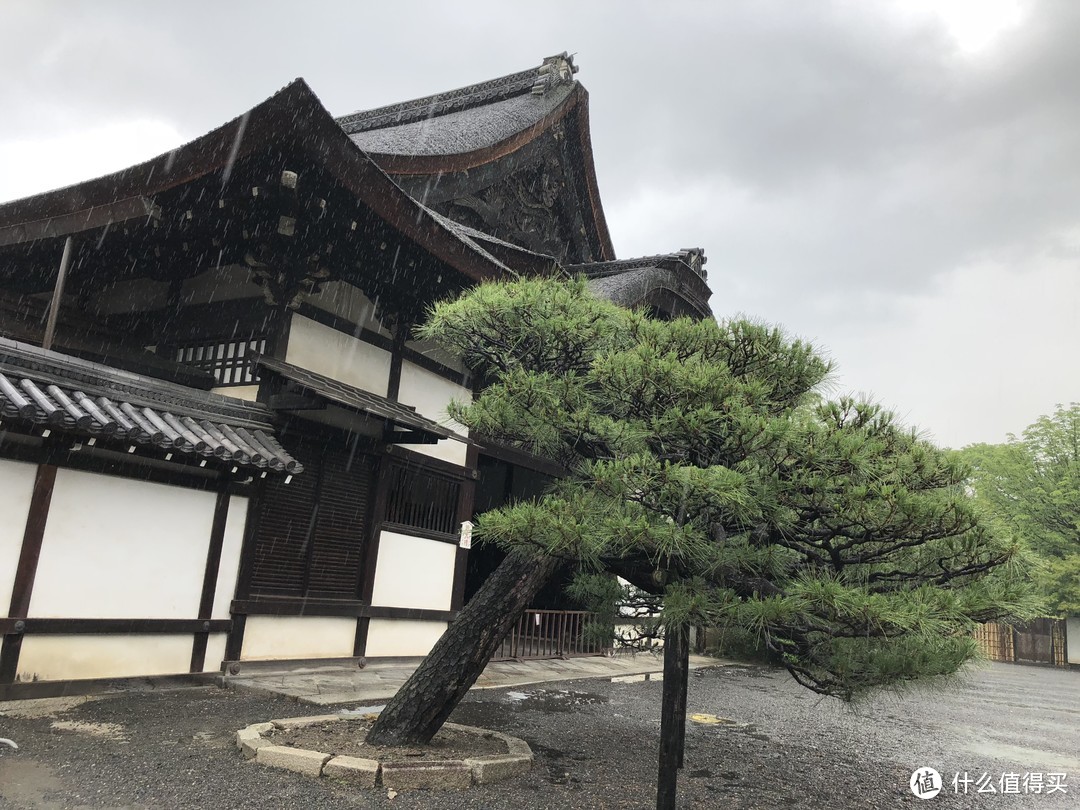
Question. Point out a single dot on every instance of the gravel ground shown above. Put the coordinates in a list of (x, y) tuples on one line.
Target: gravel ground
[(595, 743)]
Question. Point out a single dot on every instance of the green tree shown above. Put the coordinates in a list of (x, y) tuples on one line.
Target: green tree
[(703, 467), (1029, 488)]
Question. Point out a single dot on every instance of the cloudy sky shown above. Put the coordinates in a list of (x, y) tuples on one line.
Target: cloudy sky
[(898, 181)]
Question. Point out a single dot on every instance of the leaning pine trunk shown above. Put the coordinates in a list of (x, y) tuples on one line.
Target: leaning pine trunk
[(422, 704)]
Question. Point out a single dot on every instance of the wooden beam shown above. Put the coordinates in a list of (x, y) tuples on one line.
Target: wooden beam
[(81, 626), (57, 295), (97, 216), (334, 607), (36, 518)]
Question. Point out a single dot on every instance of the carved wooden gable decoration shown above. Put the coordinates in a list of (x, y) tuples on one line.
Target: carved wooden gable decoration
[(510, 157)]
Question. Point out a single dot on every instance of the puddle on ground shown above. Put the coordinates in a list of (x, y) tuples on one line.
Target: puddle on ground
[(559, 764), (552, 700)]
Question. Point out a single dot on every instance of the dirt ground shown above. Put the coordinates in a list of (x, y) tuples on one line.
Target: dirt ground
[(596, 745)]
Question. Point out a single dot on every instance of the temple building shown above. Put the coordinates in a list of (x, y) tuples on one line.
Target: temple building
[(219, 441)]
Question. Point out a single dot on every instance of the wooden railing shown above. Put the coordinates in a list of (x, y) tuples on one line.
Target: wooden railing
[(549, 634)]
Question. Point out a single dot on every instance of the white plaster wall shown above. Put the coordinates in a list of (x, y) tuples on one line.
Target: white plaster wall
[(334, 354), (92, 656), (215, 652), (402, 637), (229, 568), (430, 349), (272, 637), (16, 487), (346, 301), (414, 572), (248, 392), (118, 548), (430, 394), (1072, 632)]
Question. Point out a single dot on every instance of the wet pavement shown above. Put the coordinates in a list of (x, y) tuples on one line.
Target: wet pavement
[(378, 681), (769, 745)]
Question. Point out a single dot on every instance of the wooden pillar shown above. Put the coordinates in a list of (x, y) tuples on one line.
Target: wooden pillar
[(400, 334), (235, 643), (210, 578), (26, 571), (383, 481), (684, 685), (58, 294), (464, 512), (672, 721)]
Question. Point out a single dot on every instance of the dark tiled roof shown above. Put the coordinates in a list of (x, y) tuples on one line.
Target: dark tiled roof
[(292, 118), (629, 282), (355, 398), (692, 259), (465, 130), (553, 71), (466, 119), (91, 400)]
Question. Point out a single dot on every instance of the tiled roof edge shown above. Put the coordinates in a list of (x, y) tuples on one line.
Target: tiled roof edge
[(693, 259)]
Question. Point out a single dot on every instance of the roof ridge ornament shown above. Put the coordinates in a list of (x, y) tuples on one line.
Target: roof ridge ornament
[(554, 70)]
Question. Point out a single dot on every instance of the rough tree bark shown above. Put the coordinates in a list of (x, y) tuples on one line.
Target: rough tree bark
[(425, 701)]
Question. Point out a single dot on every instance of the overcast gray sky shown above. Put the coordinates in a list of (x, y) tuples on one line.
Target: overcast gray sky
[(897, 181)]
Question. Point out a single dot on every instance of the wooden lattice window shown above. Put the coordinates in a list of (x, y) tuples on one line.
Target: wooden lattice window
[(422, 499), (311, 533), (227, 360)]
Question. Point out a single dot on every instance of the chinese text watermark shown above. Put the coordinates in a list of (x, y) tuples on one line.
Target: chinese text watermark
[(926, 783)]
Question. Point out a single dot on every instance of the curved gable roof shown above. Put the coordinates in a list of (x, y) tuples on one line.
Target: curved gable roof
[(461, 130), (673, 283)]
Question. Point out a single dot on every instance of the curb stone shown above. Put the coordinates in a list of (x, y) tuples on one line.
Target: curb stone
[(394, 774), (300, 760), (354, 770), (249, 740), (447, 775)]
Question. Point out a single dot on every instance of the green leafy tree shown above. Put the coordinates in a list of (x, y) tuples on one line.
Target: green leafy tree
[(1029, 488), (703, 468)]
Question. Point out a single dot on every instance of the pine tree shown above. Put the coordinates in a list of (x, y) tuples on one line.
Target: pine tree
[(703, 467)]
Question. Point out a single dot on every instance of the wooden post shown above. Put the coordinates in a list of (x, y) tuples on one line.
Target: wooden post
[(675, 660), (210, 578), (26, 570), (58, 293), (684, 686)]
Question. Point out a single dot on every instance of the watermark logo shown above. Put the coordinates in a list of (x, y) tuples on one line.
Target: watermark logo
[(925, 783), (1015, 783)]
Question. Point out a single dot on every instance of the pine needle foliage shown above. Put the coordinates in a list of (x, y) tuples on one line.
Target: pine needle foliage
[(704, 467)]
